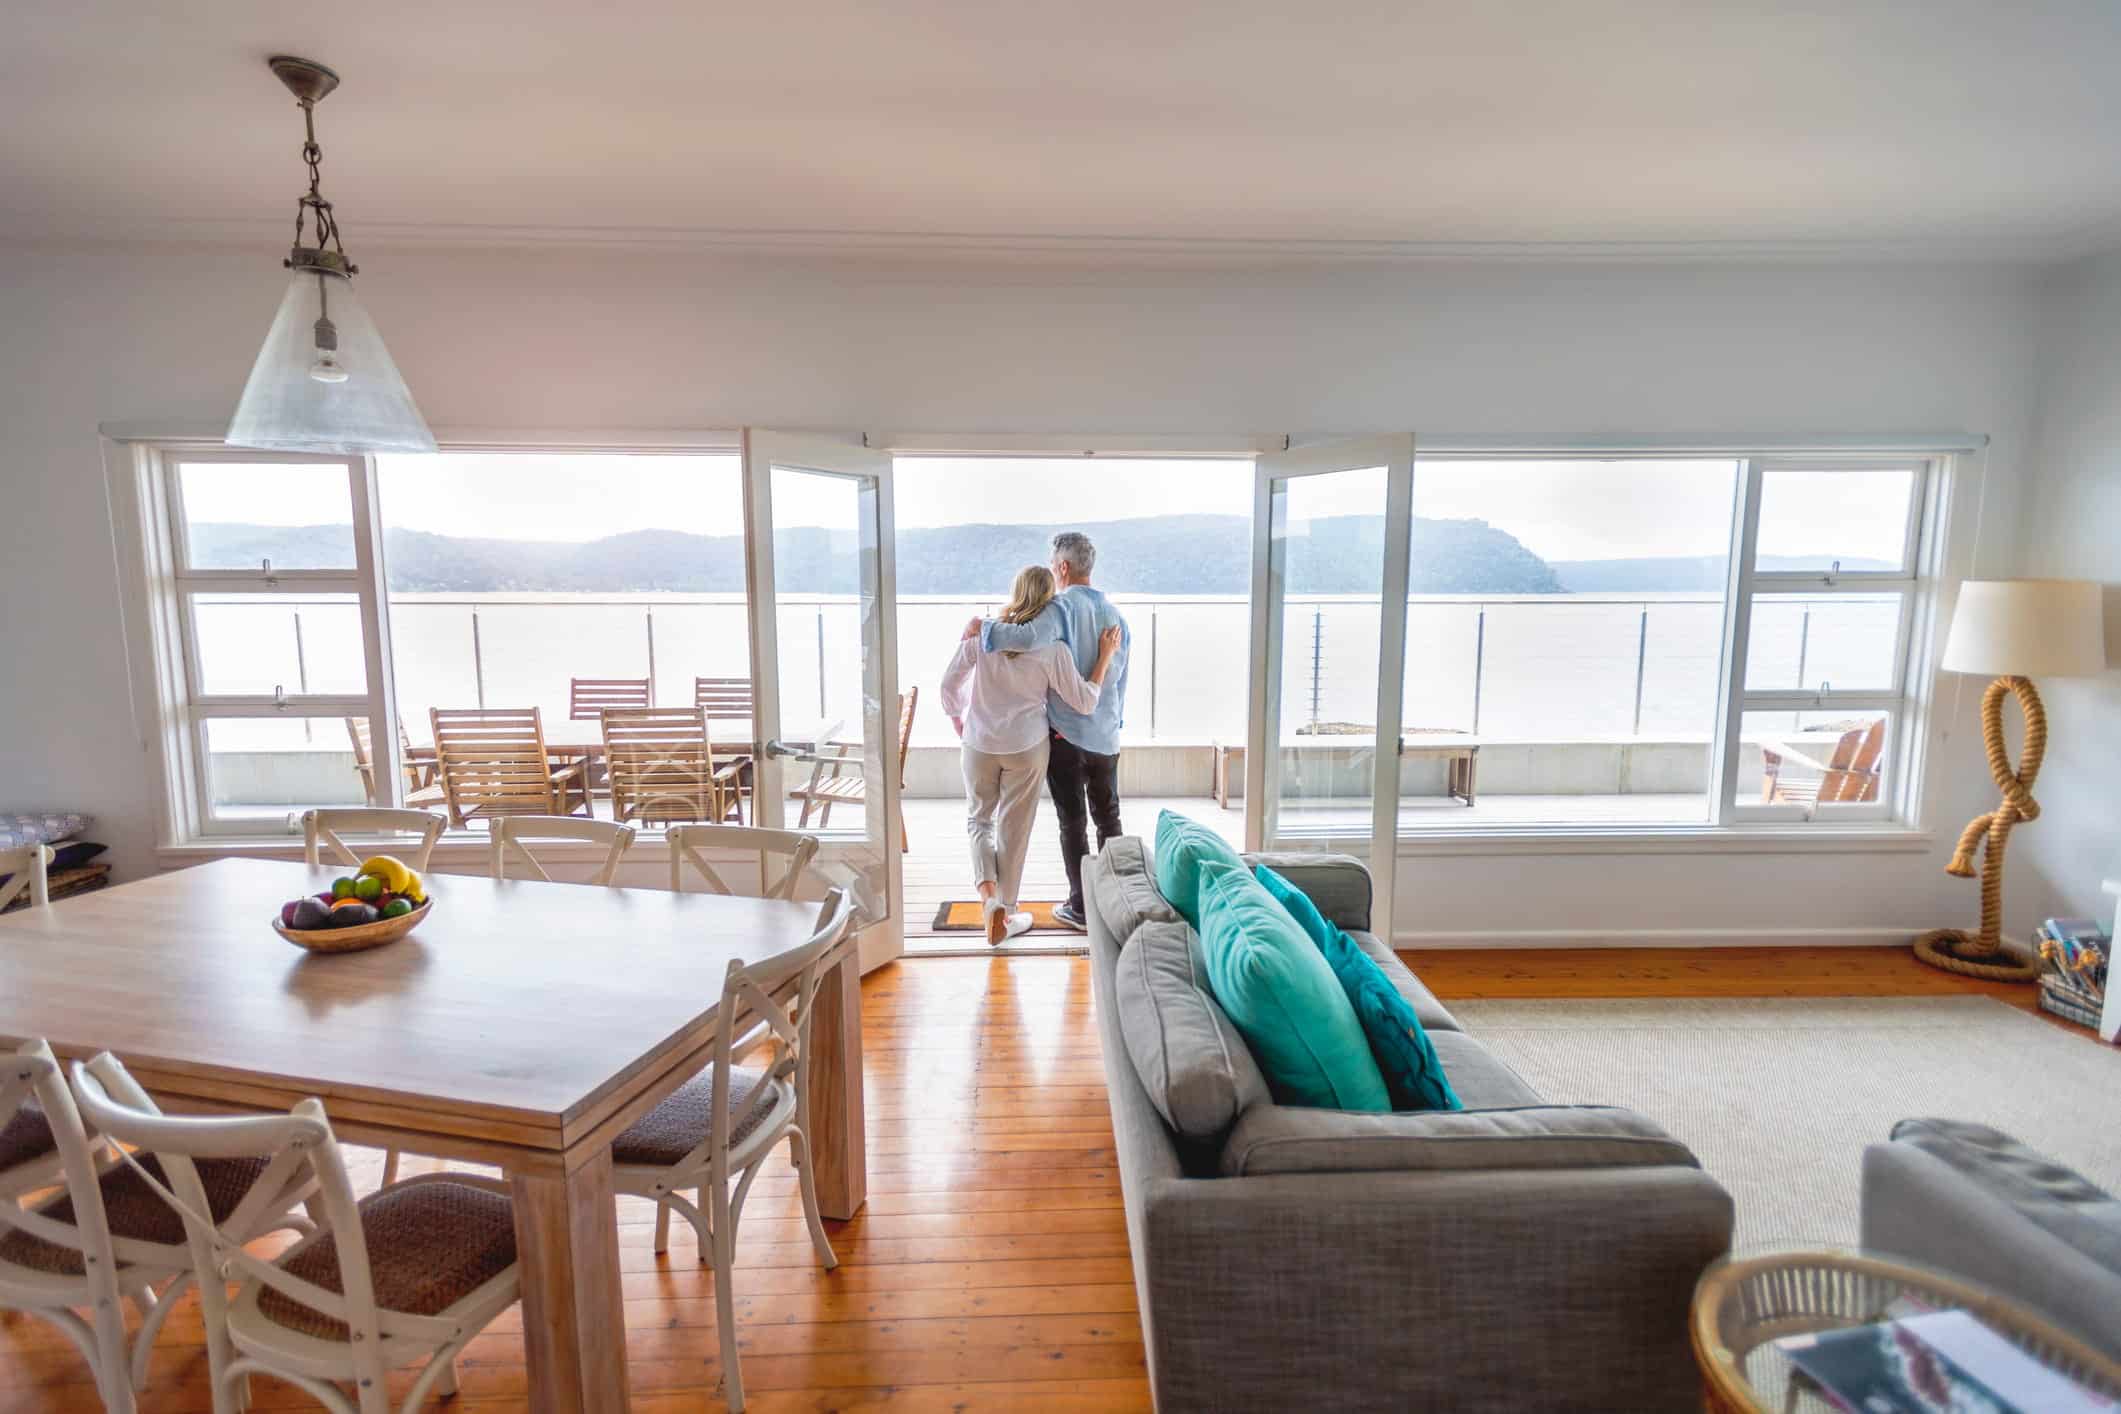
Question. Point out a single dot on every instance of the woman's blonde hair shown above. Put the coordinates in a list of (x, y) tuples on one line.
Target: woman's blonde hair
[(1030, 595)]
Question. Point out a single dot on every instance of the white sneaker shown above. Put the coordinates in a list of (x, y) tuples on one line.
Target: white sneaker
[(1018, 925), (997, 921)]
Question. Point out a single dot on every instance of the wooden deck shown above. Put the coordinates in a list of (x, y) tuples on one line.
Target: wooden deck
[(990, 1269)]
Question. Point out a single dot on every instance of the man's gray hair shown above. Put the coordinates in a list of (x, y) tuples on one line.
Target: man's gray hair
[(1074, 549)]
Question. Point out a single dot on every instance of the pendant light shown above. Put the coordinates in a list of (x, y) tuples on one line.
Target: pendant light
[(323, 381)]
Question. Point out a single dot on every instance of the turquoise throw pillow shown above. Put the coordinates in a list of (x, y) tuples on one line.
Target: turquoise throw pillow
[(1405, 1056), (1274, 984), (1182, 847)]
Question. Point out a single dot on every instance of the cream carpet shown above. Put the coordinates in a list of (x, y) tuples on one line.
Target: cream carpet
[(1779, 1097)]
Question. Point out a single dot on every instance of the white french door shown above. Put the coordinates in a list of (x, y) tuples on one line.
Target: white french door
[(1330, 528), (824, 654)]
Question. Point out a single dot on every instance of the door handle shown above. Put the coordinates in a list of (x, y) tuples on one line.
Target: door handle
[(777, 747)]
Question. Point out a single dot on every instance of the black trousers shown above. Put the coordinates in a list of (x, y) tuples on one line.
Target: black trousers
[(1084, 787)]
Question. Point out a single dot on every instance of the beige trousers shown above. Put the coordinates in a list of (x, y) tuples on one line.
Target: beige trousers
[(1001, 804)]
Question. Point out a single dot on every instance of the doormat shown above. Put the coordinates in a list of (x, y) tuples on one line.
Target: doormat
[(970, 916)]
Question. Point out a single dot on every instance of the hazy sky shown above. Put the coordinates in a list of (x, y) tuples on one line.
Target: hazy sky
[(1560, 510)]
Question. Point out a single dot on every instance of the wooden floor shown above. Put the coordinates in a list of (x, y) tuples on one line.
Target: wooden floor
[(989, 1270)]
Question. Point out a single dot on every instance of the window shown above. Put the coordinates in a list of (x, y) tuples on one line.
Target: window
[(269, 591), (1822, 621), (1572, 619)]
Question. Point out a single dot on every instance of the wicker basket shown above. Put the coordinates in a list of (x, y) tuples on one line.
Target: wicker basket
[(1744, 1304)]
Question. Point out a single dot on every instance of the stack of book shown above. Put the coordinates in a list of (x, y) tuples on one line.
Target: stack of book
[(2074, 985)]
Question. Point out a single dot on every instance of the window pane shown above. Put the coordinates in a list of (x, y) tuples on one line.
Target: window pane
[(250, 644), (266, 769), (511, 574), (1845, 642), (1814, 759), (237, 514), (1328, 539), (1565, 618), (1816, 520)]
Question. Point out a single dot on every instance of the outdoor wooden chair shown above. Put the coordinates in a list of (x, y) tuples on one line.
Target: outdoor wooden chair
[(493, 763), (688, 841), (730, 700), (420, 786), (587, 698), (26, 870), (661, 765), (715, 1133), (510, 836), (325, 828), (108, 1234), (1851, 775), (830, 784), (410, 1274)]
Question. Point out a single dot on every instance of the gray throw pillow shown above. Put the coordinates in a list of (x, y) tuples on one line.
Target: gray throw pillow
[(1123, 889), (1191, 1060)]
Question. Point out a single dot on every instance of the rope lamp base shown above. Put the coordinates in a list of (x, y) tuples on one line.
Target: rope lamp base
[(1981, 954)]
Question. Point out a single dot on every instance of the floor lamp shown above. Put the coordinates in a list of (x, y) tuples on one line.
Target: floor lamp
[(2011, 630)]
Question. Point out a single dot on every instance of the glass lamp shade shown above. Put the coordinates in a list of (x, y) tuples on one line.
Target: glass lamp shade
[(328, 387)]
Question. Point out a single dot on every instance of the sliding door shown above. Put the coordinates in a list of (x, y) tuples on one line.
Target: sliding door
[(1329, 606)]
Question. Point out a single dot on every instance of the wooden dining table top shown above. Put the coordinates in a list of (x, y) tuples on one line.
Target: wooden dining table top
[(515, 1005)]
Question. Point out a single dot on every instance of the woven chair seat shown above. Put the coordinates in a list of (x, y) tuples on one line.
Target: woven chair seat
[(430, 1245), (26, 1135), (673, 1129), (135, 1211)]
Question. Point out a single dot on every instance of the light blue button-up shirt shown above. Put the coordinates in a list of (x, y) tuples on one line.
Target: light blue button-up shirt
[(1076, 617)]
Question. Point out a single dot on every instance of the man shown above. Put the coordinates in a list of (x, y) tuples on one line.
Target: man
[(1082, 770)]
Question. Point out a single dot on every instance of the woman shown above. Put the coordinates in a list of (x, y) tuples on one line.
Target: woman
[(997, 702)]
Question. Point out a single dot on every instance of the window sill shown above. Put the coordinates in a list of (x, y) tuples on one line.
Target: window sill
[(1672, 839)]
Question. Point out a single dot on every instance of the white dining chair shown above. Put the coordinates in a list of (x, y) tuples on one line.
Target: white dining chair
[(329, 827), (691, 844), (28, 867), (106, 1234), (408, 1274), (510, 834), (715, 1132)]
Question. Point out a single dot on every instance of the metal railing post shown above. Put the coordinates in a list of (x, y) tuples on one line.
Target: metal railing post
[(1480, 658), (1804, 643), (302, 673), (649, 614), (1642, 649), (1318, 658), (478, 659), (821, 708), (1152, 672)]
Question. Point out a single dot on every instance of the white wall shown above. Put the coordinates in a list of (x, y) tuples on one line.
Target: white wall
[(629, 339), (2072, 530)]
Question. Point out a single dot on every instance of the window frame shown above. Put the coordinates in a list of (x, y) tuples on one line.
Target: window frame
[(1914, 582)]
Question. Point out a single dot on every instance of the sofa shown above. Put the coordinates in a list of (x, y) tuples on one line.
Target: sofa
[(1973, 1202), (1514, 1255)]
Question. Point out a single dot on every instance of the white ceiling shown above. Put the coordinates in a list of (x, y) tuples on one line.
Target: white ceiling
[(1377, 129)]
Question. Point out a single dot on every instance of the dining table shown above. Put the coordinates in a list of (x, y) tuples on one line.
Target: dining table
[(522, 1025)]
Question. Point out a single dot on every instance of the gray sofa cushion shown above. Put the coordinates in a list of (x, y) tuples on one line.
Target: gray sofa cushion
[(2027, 1182), (1276, 1139), (1193, 1064), (1430, 1012), (1483, 1080), (1337, 883), (1124, 891)]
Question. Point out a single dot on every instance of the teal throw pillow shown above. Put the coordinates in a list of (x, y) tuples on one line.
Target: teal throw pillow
[(1182, 847), (1275, 986), (1405, 1056)]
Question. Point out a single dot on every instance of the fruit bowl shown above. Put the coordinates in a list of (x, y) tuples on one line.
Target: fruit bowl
[(359, 936)]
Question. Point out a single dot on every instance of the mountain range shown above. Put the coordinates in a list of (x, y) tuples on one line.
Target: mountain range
[(1170, 554)]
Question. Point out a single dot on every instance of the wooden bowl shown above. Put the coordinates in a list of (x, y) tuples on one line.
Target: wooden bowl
[(355, 939)]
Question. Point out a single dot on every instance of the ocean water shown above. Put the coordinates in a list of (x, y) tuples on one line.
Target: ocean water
[(1538, 668)]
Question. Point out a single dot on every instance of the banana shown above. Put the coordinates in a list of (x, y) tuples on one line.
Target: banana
[(396, 876)]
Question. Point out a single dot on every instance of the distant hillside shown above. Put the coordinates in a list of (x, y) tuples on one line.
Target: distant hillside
[(1182, 554), (1680, 574)]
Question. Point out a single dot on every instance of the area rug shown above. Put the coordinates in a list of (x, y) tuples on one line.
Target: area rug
[(970, 916), (1779, 1097)]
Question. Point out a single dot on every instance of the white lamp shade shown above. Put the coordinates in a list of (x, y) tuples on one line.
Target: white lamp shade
[(2049, 628), (286, 409)]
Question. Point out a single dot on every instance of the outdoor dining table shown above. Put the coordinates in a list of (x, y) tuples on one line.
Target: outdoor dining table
[(522, 1025)]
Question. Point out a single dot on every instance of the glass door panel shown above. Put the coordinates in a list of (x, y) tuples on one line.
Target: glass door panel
[(824, 643), (1322, 766)]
